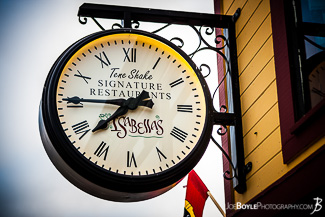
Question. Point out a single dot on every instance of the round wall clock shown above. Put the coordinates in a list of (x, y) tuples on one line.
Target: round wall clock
[(125, 115)]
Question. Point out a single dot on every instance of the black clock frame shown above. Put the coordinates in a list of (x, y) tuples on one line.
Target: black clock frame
[(92, 178)]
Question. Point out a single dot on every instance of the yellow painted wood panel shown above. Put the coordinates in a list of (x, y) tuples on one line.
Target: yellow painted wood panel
[(226, 4), (272, 171), (257, 87), (247, 10), (254, 45), (253, 25), (261, 130), (270, 147), (235, 5), (262, 59), (260, 108), (262, 179)]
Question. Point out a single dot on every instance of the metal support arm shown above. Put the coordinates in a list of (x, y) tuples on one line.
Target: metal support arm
[(152, 15), (227, 119)]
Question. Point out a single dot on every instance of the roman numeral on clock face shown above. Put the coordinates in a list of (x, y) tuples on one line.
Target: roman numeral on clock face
[(160, 154), (131, 160), (102, 150), (156, 63), (177, 82), (82, 76), (130, 55), (185, 108), (103, 59), (178, 134), (81, 128)]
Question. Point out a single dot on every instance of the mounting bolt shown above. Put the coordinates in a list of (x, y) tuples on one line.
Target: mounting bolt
[(236, 15), (248, 167)]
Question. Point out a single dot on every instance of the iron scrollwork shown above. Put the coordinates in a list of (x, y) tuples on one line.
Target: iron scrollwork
[(221, 43), (205, 66), (179, 40), (84, 21)]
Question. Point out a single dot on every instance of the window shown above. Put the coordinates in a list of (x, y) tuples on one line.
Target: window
[(299, 54), (305, 20)]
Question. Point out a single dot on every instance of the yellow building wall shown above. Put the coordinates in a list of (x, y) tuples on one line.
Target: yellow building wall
[(259, 103)]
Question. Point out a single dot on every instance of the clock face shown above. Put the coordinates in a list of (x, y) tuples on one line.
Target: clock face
[(128, 107)]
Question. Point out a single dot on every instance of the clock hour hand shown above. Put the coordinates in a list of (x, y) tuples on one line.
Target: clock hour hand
[(120, 102), (131, 103), (142, 100), (102, 124), (147, 103)]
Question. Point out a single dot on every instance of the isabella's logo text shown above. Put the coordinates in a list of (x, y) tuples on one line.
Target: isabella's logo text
[(145, 128)]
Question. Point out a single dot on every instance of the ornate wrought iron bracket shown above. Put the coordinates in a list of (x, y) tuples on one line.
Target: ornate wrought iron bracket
[(131, 17)]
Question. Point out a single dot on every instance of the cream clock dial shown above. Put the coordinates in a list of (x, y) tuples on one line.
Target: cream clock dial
[(127, 111)]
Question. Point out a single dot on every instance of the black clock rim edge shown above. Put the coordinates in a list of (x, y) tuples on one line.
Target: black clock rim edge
[(85, 168)]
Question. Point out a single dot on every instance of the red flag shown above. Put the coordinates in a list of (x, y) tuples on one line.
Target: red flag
[(196, 195)]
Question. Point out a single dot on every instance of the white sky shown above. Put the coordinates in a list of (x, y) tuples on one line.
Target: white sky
[(33, 35)]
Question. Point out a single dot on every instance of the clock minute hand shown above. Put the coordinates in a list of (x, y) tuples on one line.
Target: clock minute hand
[(120, 102), (77, 100)]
